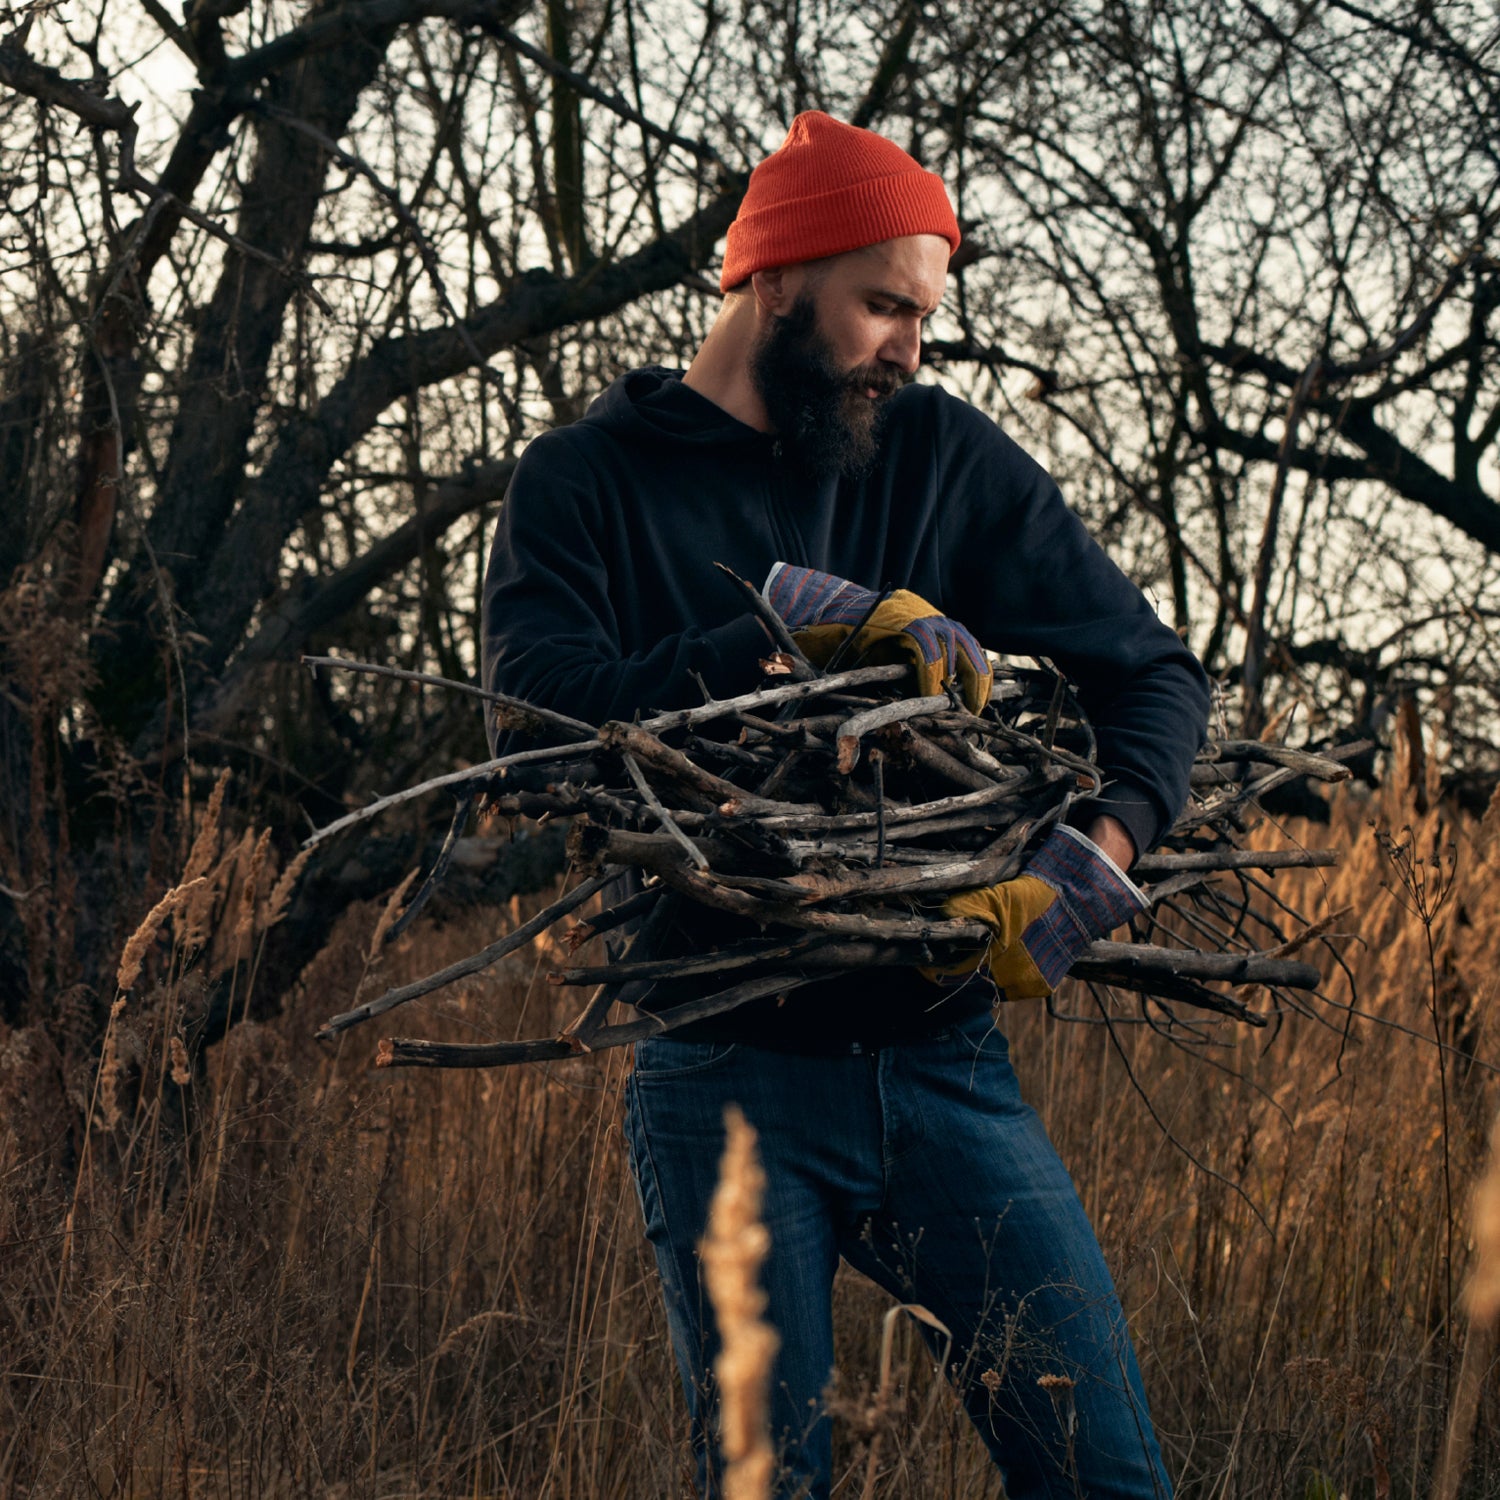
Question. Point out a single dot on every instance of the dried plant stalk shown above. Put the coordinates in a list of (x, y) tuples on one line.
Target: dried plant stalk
[(734, 1248), (389, 917), (201, 855), (250, 890), (286, 884), (1482, 1298), (141, 939)]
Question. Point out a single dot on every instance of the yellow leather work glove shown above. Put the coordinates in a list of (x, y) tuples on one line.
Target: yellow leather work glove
[(1070, 893), (823, 610)]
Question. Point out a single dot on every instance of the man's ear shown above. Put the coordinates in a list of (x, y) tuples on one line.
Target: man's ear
[(771, 289)]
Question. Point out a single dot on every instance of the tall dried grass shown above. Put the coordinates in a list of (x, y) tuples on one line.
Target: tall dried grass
[(273, 1272), (735, 1247)]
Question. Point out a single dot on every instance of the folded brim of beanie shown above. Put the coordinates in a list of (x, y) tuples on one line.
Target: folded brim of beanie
[(816, 225)]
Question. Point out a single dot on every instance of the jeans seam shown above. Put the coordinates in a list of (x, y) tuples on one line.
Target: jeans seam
[(641, 1141), (919, 1136), (688, 1070), (643, 1161)]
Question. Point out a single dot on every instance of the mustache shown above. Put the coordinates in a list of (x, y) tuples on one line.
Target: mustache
[(881, 379)]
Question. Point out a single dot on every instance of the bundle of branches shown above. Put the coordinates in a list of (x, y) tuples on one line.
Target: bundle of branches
[(835, 816)]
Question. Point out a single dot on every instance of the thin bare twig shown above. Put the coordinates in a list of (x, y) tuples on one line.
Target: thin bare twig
[(471, 965)]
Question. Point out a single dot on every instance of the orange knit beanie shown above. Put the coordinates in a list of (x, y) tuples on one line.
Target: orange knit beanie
[(829, 188)]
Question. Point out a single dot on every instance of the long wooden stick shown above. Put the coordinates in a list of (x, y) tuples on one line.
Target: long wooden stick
[(663, 817), (720, 962), (716, 794), (546, 716), (771, 697), (410, 1052), (856, 726), (471, 965), (1320, 766), (370, 810), (1152, 866), (1143, 960)]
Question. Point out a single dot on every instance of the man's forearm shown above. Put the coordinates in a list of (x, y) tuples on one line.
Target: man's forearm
[(1111, 835)]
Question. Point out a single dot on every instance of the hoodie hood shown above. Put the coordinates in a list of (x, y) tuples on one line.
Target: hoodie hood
[(653, 404)]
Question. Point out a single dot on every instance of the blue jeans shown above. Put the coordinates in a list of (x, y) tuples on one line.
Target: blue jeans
[(923, 1168)]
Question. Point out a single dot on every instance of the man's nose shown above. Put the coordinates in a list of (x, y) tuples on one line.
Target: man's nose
[(903, 348)]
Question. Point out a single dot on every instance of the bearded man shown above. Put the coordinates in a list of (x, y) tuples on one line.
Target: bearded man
[(891, 1127)]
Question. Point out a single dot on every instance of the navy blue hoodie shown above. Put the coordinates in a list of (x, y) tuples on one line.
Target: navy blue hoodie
[(601, 598)]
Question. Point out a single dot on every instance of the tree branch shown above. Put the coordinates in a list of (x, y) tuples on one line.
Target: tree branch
[(324, 600), (1386, 459), (243, 568)]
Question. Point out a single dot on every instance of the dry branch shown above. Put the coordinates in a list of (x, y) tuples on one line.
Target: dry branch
[(471, 965), (834, 860)]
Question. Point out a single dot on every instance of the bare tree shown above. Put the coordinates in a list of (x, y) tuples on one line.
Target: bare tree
[(1243, 260), (287, 288), (286, 291)]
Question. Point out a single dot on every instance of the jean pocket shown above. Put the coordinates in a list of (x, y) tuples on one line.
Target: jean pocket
[(980, 1038), (661, 1057)]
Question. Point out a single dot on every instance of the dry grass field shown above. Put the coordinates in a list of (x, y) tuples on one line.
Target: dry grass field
[(280, 1273)]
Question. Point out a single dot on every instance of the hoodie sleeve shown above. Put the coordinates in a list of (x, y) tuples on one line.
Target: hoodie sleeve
[(1030, 580), (550, 631)]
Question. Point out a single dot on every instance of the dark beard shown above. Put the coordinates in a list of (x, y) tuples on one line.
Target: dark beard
[(820, 413)]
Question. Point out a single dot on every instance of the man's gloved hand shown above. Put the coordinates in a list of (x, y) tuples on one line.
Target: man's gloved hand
[(822, 610), (1071, 893)]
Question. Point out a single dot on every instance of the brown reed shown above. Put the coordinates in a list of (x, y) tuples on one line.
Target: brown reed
[(249, 892), (1482, 1301), (138, 944), (734, 1248), (281, 893), (201, 854), (390, 914), (302, 1277)]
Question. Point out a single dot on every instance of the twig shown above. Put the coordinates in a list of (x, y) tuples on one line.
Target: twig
[(652, 801), (373, 809), (906, 741), (846, 646), (624, 911), (804, 955), (1310, 763), (856, 726), (579, 1032), (719, 795), (425, 252), (439, 868), (522, 708), (1149, 866), (1140, 961), (802, 669), (407, 1052), (591, 90), (471, 965), (897, 816), (790, 692)]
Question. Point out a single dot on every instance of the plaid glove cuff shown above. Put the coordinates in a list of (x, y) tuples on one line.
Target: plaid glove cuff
[(1094, 896), (804, 596)]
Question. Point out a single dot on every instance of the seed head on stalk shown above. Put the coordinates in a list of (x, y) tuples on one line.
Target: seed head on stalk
[(734, 1248)]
